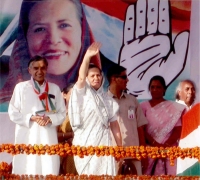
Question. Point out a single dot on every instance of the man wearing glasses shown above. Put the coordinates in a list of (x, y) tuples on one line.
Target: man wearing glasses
[(130, 118)]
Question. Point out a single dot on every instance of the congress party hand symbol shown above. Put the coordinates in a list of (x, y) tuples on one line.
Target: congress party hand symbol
[(149, 47)]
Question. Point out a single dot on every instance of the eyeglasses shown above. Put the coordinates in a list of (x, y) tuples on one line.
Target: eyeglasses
[(123, 77)]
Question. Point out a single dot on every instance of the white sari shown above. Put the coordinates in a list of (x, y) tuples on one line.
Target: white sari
[(90, 112)]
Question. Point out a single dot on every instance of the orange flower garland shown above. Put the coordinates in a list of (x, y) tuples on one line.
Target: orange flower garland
[(5, 174), (136, 152), (4, 167), (8, 176)]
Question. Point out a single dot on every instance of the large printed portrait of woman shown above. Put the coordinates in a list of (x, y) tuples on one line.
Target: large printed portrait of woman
[(57, 30), (146, 37)]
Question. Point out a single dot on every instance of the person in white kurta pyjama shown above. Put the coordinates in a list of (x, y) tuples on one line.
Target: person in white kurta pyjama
[(92, 115), (33, 127)]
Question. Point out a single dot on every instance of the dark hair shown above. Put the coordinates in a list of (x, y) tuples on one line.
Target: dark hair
[(115, 70), (37, 58), (160, 79), (27, 5), (178, 88), (91, 65), (66, 89)]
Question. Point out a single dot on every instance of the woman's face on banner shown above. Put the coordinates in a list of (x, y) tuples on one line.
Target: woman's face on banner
[(55, 32)]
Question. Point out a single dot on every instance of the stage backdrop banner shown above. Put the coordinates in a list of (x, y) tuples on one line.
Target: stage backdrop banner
[(147, 37)]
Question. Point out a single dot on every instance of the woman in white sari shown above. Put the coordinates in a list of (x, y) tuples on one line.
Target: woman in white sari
[(92, 115)]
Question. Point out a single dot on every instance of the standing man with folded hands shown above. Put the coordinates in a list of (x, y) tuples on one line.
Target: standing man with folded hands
[(36, 107)]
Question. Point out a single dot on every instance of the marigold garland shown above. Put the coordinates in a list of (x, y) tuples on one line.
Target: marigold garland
[(7, 176), (136, 152), (5, 167)]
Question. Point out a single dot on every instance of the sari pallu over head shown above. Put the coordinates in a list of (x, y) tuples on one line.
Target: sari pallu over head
[(99, 97), (20, 54), (90, 112)]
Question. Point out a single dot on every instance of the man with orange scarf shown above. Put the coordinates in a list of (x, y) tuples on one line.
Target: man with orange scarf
[(37, 108)]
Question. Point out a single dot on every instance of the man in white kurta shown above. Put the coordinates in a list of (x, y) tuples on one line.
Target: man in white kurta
[(33, 127)]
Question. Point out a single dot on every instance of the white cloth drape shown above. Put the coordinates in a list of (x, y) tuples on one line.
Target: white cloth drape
[(90, 112)]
